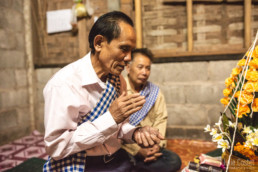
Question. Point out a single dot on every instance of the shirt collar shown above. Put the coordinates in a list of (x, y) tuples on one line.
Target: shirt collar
[(88, 73)]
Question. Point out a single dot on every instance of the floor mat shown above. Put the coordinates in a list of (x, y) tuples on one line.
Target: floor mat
[(17, 152), (21, 150), (188, 149)]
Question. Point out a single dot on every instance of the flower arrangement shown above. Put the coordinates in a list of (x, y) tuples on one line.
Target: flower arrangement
[(237, 128)]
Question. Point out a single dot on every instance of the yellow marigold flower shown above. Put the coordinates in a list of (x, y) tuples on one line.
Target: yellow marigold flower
[(227, 92), (241, 62), (246, 97), (235, 71), (243, 110), (250, 86), (246, 151), (255, 105), (224, 101), (254, 63), (252, 75), (255, 52), (229, 81)]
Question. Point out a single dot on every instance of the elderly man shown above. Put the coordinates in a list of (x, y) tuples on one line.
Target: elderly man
[(86, 105), (153, 113)]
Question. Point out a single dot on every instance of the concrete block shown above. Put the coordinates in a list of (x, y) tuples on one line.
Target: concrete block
[(7, 39), (6, 3), (184, 72), (21, 77), (18, 5), (195, 132), (40, 97), (39, 118), (20, 41), (14, 98), (44, 74), (15, 20), (187, 114), (220, 70), (214, 113), (203, 93), (11, 134), (24, 117), (174, 93), (8, 119), (156, 71), (12, 59), (7, 79)]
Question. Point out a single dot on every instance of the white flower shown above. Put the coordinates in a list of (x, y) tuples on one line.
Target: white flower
[(217, 137), (246, 130), (213, 131), (223, 144), (207, 128), (248, 144), (230, 124), (218, 123)]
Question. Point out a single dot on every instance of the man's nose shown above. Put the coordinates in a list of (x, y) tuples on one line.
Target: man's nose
[(144, 71), (128, 57)]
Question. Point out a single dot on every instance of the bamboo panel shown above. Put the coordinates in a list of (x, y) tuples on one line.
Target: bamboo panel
[(189, 5), (138, 23), (248, 10)]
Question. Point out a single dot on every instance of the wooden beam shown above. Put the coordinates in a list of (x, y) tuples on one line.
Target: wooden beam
[(82, 36), (138, 23), (172, 53), (189, 7), (248, 11), (174, 1)]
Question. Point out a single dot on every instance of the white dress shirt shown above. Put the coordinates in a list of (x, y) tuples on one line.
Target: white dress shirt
[(71, 93)]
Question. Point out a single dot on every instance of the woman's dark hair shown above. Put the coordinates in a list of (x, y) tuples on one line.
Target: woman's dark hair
[(107, 25), (144, 51)]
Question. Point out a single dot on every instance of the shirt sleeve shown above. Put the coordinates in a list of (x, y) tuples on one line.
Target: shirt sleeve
[(160, 115), (62, 135)]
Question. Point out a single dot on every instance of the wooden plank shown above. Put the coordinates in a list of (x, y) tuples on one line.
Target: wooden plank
[(189, 4), (173, 53), (82, 35), (138, 23), (248, 15)]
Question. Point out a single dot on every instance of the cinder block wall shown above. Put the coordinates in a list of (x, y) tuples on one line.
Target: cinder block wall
[(193, 91), (14, 96)]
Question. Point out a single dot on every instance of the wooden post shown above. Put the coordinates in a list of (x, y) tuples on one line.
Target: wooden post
[(82, 36), (29, 61), (248, 10), (138, 23), (189, 4)]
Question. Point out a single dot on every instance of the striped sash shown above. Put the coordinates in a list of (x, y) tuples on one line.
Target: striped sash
[(150, 92), (76, 162)]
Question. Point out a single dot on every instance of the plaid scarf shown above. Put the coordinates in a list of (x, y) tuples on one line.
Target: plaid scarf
[(150, 92), (76, 162)]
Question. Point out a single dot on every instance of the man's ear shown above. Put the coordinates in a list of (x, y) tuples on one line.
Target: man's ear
[(98, 42)]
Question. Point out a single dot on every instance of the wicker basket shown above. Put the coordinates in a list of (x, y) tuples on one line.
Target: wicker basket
[(240, 165)]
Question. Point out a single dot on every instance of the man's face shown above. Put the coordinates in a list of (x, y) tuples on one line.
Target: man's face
[(116, 54), (139, 69)]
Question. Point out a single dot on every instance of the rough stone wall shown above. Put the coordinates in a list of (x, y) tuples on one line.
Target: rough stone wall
[(14, 99)]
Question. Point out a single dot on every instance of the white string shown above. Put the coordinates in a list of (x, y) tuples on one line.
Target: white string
[(245, 72)]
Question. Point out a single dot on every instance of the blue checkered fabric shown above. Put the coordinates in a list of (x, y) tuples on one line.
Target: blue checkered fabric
[(150, 92), (77, 161)]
